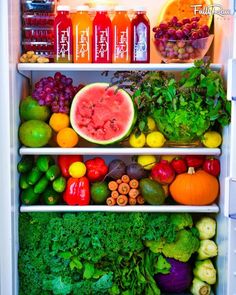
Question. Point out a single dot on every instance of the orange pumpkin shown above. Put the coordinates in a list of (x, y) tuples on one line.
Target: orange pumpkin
[(194, 188)]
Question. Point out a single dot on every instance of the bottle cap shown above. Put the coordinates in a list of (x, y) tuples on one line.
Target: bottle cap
[(101, 8), (121, 8), (140, 8), (63, 8), (82, 8)]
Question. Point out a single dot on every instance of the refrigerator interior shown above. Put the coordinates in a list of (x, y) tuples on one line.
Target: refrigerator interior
[(19, 84)]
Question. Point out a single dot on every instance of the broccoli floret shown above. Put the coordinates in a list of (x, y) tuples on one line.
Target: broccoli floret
[(184, 246), (181, 220)]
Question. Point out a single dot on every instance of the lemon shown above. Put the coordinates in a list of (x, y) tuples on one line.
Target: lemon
[(77, 169), (155, 139), (137, 141), (212, 139), (168, 158), (151, 124), (147, 161)]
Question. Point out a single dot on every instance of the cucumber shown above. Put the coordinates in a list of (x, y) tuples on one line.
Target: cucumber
[(29, 197), (41, 185), (59, 184), (26, 164), (34, 176), (23, 181), (50, 197), (53, 172), (43, 162)]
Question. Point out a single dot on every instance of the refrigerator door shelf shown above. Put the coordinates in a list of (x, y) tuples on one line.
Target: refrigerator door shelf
[(119, 151)]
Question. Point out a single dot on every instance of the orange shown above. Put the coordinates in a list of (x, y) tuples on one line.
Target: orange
[(67, 138), (185, 9), (59, 121)]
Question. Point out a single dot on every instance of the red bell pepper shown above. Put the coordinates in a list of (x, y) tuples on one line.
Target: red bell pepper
[(179, 165), (212, 166), (195, 161), (77, 191), (96, 169), (64, 162)]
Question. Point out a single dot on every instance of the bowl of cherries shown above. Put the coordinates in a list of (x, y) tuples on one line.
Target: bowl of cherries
[(182, 40)]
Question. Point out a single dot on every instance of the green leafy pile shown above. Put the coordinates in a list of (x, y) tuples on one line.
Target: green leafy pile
[(183, 108), (96, 253)]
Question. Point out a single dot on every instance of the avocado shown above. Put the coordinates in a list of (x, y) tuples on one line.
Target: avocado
[(152, 191)]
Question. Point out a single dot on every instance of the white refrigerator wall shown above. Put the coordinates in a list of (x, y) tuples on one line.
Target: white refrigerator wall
[(14, 86)]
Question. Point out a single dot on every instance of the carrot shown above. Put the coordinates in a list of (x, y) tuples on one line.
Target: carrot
[(111, 201), (140, 200), (133, 193), (112, 185), (123, 188), (119, 181), (125, 178), (132, 201), (114, 194), (134, 183), (122, 200)]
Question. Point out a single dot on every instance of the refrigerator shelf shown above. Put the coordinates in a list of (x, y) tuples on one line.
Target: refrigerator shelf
[(105, 151), (24, 67), (137, 208)]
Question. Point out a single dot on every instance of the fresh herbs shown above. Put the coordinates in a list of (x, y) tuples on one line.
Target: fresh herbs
[(183, 108), (94, 253)]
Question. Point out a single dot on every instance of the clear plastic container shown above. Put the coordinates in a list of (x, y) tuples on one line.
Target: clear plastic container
[(38, 34), (38, 19), (43, 48), (38, 5)]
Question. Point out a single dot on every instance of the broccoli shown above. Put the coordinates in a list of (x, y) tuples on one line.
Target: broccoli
[(207, 249), (205, 271), (185, 245), (181, 220), (206, 227)]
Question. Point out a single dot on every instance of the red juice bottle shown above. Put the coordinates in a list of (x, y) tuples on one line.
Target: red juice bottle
[(63, 47), (121, 39), (102, 36), (140, 32)]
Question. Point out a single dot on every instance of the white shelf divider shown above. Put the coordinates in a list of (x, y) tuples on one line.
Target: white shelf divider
[(24, 67), (137, 208), (119, 151)]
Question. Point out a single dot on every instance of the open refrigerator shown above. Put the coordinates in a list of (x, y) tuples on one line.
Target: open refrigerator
[(15, 82)]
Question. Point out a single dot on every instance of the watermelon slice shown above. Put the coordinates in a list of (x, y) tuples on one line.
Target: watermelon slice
[(102, 114)]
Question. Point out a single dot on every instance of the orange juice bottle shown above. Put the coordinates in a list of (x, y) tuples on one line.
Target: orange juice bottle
[(82, 35), (121, 41)]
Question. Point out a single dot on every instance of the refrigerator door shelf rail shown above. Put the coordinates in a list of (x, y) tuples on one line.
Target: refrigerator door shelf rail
[(137, 208), (26, 67), (105, 151)]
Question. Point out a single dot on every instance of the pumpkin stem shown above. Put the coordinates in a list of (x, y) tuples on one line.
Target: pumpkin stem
[(191, 170)]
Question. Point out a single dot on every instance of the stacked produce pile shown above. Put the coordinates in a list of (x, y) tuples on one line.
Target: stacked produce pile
[(109, 253), (152, 180)]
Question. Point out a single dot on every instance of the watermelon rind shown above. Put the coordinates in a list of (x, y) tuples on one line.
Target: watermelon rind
[(120, 137)]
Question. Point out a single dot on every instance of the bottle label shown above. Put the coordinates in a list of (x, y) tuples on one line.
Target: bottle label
[(102, 42), (83, 46), (140, 42), (121, 44), (64, 44)]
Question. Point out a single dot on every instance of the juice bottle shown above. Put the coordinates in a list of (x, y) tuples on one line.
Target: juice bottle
[(140, 40), (63, 35), (82, 35), (121, 40), (102, 34)]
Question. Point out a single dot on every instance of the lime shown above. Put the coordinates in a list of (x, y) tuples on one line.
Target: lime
[(77, 169), (147, 161), (99, 192), (137, 141), (155, 139), (151, 124), (35, 133), (212, 139), (31, 110)]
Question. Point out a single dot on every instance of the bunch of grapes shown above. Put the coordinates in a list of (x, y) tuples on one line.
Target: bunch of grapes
[(56, 92), (180, 38)]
